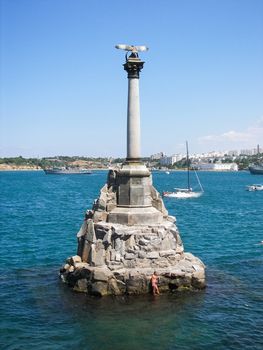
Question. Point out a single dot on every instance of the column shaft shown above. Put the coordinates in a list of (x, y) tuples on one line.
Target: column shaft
[(133, 120)]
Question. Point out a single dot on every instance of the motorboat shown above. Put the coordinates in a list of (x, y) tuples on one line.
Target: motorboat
[(256, 187)]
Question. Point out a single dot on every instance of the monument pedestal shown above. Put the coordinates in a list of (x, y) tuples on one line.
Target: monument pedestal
[(135, 216), (133, 185), (119, 247)]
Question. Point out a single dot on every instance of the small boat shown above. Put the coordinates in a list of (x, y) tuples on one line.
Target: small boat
[(185, 192), (256, 187), (167, 172), (66, 171)]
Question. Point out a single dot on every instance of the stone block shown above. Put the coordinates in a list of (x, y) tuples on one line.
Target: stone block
[(81, 265), (130, 242), (141, 254), (160, 263), (107, 238), (143, 263), (143, 241), (99, 288), (115, 265), (104, 226), (129, 264), (116, 287), (165, 253), (81, 286), (75, 259), (90, 236), (102, 274), (167, 244), (161, 233), (82, 230), (156, 243), (110, 206), (135, 216), (66, 267), (97, 255), (129, 256), (117, 244), (112, 255), (100, 216), (152, 255), (137, 285)]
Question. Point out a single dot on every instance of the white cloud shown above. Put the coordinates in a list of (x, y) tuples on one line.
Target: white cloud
[(250, 137)]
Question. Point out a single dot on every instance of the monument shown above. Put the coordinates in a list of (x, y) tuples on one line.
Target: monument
[(128, 234)]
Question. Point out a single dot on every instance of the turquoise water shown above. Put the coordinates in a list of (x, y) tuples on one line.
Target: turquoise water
[(40, 216)]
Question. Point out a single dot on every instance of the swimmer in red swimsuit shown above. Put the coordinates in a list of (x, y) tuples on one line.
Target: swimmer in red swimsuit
[(154, 281)]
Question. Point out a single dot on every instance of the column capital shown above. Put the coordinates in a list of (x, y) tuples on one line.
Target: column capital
[(133, 66)]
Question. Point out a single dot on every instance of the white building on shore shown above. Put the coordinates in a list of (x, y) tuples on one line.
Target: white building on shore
[(216, 166), (165, 161)]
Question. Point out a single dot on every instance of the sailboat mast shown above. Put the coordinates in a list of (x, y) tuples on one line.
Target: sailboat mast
[(188, 166)]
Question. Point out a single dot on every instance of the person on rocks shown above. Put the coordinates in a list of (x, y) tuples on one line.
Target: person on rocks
[(154, 281)]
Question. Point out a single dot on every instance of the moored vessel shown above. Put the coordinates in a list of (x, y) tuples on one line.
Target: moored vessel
[(185, 192), (256, 169), (66, 171)]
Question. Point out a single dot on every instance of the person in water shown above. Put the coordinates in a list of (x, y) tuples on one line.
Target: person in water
[(154, 281)]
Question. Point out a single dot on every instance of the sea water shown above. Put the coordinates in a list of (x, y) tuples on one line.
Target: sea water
[(40, 216)]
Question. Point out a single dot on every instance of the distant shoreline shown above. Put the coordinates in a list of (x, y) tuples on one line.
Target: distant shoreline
[(19, 169), (14, 169), (4, 169)]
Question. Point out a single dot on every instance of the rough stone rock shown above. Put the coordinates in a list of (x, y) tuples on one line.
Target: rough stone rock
[(157, 201), (152, 255), (130, 256), (81, 265), (99, 288), (102, 274), (165, 253), (97, 254), (66, 266), (81, 285), (107, 238), (142, 254), (75, 259), (82, 230), (100, 216), (137, 285), (116, 287)]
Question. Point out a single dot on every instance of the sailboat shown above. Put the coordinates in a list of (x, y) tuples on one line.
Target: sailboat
[(186, 192)]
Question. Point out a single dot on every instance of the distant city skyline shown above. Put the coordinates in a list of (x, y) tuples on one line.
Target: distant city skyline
[(64, 90)]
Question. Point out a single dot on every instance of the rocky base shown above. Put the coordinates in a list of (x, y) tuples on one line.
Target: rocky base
[(127, 236), (188, 273), (117, 259)]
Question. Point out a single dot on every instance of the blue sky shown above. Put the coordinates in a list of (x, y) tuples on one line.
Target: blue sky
[(64, 90)]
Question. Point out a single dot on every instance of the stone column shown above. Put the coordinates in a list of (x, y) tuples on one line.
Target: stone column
[(133, 67), (133, 180)]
